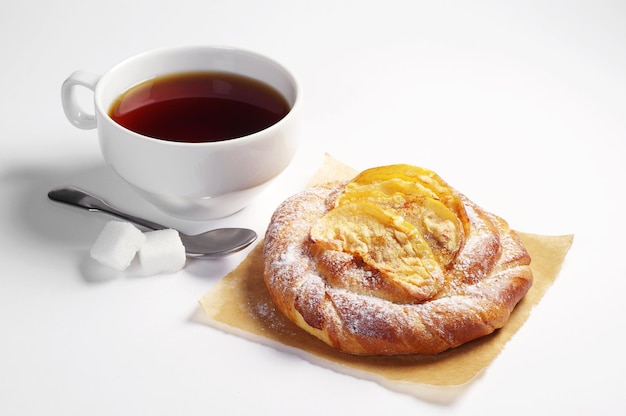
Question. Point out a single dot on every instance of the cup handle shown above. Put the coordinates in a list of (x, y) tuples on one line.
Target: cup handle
[(74, 112)]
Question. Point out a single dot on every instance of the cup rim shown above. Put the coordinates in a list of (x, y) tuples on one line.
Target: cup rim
[(189, 48)]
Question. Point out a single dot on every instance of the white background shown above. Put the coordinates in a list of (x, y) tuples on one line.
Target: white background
[(521, 105)]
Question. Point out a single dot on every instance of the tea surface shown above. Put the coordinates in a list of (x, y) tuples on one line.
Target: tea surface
[(199, 107)]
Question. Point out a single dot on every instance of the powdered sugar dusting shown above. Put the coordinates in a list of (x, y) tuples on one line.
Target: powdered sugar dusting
[(340, 296)]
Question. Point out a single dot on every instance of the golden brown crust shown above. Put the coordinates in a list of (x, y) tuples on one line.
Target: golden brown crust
[(347, 304)]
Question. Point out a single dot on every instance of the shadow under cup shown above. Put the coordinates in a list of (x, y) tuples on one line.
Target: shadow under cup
[(197, 181)]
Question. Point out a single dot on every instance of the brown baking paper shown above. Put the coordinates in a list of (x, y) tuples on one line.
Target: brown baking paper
[(240, 304)]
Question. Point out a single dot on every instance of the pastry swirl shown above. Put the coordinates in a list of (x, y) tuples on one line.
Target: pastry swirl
[(393, 262)]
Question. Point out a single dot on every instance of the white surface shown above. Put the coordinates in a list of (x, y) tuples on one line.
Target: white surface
[(518, 104)]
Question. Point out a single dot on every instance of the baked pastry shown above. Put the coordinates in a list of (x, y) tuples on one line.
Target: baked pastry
[(394, 261)]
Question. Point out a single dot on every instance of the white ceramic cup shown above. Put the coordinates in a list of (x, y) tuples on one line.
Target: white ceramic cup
[(194, 181)]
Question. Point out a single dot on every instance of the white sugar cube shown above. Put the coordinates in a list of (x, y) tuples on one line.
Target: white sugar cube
[(117, 244), (162, 252)]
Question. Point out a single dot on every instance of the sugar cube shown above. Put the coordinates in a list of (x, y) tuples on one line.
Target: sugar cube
[(162, 252), (117, 244)]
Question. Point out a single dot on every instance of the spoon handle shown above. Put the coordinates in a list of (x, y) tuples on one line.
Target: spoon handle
[(77, 197)]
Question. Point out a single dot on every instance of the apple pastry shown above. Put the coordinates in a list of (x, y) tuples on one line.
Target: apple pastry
[(394, 261)]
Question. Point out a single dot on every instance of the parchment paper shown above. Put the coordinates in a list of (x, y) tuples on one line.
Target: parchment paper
[(240, 304)]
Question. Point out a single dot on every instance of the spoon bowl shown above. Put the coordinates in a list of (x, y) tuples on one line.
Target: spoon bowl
[(214, 243)]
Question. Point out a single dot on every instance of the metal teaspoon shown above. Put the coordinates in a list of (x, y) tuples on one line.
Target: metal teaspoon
[(211, 244)]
